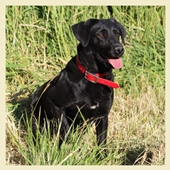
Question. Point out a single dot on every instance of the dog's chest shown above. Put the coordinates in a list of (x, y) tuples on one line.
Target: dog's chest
[(96, 106)]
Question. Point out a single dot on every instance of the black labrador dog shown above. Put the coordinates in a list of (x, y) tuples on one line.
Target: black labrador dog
[(83, 90)]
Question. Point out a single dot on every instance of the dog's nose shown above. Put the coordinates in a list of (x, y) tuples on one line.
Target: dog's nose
[(119, 49)]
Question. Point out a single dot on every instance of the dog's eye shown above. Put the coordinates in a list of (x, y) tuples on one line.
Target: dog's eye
[(100, 35), (117, 35)]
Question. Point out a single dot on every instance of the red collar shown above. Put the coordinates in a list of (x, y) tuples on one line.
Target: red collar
[(95, 78)]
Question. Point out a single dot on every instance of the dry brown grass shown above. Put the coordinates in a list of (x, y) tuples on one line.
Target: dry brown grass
[(13, 155), (137, 125)]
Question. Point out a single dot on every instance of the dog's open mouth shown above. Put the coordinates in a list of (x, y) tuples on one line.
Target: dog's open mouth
[(116, 63)]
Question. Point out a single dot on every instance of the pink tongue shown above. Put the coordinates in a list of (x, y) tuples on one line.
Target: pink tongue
[(116, 63)]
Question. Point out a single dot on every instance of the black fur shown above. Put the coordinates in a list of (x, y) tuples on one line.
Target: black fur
[(60, 98)]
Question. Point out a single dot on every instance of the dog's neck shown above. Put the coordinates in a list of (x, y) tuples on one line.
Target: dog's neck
[(93, 62)]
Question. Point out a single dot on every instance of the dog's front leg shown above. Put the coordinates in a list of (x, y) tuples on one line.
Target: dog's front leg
[(64, 129), (60, 116), (101, 130)]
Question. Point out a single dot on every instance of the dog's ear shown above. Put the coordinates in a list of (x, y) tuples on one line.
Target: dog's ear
[(82, 31), (121, 29), (123, 33)]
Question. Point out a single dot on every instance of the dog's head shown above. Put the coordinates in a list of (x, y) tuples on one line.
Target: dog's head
[(103, 35)]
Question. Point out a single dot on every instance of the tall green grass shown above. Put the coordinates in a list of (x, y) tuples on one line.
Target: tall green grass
[(39, 43)]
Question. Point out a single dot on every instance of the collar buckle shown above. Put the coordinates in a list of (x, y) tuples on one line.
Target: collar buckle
[(91, 77)]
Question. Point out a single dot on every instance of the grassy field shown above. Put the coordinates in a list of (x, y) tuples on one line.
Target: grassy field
[(39, 43)]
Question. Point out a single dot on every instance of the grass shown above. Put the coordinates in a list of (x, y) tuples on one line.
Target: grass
[(39, 43)]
